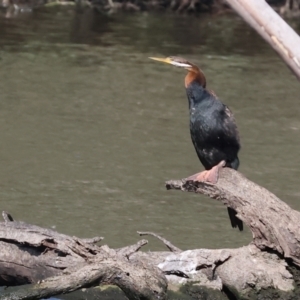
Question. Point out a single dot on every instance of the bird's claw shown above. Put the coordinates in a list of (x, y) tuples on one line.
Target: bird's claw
[(210, 176)]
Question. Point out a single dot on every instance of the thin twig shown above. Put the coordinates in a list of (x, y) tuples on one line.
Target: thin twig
[(7, 217), (171, 247), (129, 250), (93, 240)]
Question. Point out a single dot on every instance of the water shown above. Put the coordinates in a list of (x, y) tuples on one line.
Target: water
[(91, 128)]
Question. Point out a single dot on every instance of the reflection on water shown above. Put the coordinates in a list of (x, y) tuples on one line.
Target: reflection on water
[(91, 129)]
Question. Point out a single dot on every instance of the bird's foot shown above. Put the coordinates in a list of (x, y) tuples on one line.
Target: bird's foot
[(210, 176)]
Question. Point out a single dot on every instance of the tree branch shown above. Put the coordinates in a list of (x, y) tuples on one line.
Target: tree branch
[(170, 246), (273, 223), (39, 254), (284, 40), (135, 281), (31, 254)]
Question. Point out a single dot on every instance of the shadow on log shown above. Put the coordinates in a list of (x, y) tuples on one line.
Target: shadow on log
[(55, 263)]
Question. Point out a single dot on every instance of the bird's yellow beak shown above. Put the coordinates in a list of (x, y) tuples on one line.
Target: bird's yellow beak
[(165, 60), (171, 61)]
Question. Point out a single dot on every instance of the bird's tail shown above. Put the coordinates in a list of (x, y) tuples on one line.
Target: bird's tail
[(235, 222), (235, 163)]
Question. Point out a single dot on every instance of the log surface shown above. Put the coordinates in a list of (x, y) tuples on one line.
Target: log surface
[(57, 263), (274, 224), (63, 263)]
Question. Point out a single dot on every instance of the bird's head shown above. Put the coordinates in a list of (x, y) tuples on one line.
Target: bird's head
[(194, 74)]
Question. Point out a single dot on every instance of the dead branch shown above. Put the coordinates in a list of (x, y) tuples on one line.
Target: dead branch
[(129, 250), (31, 254), (170, 246), (111, 270), (283, 39), (273, 223), (57, 263)]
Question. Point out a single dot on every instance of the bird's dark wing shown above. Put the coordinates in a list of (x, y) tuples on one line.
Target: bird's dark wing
[(225, 115), (226, 142), (230, 127), (215, 136)]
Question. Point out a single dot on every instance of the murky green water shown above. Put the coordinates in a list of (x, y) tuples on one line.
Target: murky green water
[(91, 128)]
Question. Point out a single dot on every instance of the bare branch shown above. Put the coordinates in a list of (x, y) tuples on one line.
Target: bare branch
[(127, 276), (93, 240), (273, 223), (170, 246), (284, 40), (129, 250), (7, 217)]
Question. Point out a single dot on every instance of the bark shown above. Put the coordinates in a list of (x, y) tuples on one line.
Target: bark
[(283, 39), (58, 263), (55, 263), (130, 278), (242, 269), (274, 225)]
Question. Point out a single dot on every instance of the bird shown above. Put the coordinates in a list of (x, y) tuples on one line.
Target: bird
[(213, 128)]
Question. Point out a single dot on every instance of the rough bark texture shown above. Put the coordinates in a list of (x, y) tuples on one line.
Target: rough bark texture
[(273, 223), (30, 253), (129, 277), (239, 269)]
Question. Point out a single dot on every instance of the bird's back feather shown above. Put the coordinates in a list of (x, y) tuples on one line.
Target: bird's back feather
[(213, 129)]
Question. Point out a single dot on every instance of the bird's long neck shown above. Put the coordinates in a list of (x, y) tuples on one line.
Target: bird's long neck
[(195, 84), (195, 75)]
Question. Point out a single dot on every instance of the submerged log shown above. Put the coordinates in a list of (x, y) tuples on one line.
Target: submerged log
[(55, 263)]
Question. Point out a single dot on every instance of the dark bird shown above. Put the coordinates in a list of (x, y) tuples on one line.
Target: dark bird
[(213, 129)]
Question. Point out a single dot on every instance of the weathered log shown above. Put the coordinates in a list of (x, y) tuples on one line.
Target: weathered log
[(273, 223), (31, 254), (214, 269), (136, 282), (241, 269)]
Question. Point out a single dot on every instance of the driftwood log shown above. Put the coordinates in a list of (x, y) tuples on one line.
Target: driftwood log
[(58, 264), (54, 263), (274, 225)]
